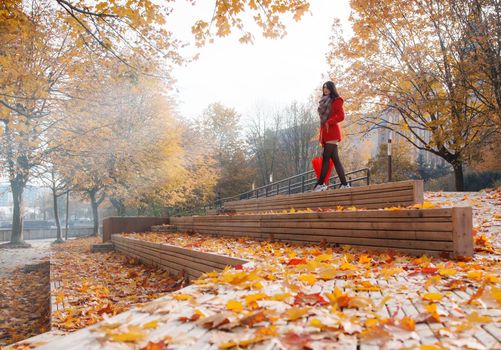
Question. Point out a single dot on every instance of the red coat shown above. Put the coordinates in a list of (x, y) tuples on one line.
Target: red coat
[(331, 131)]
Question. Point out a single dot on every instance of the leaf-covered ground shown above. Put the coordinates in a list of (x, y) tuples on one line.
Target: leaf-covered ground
[(95, 284), (295, 296), (24, 304), (307, 296)]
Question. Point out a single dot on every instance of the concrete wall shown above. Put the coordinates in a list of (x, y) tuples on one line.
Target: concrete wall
[(46, 233)]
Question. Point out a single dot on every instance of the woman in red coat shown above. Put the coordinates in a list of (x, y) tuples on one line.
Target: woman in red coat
[(331, 113)]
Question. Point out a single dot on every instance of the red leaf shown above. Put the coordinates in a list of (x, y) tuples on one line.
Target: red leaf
[(239, 267), (425, 271), (295, 261), (296, 341), (309, 299), (154, 346)]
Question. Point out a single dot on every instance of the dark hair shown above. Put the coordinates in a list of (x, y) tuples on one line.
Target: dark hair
[(332, 88)]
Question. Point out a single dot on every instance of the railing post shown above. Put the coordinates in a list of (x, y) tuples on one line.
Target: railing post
[(289, 186), (266, 191), (302, 183), (278, 188), (368, 177)]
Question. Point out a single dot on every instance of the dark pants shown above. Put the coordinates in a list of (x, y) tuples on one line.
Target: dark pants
[(331, 152)]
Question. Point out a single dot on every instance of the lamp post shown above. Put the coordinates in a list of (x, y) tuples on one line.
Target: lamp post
[(389, 156)]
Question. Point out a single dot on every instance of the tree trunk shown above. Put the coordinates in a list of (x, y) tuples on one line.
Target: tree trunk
[(67, 213), (59, 238), (95, 213), (17, 188), (458, 175), (118, 205)]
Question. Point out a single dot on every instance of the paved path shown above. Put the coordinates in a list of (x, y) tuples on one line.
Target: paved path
[(13, 258)]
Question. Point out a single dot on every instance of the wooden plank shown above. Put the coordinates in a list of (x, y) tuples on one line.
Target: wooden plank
[(415, 231), (485, 338), (193, 274), (160, 259), (463, 239), (182, 258), (381, 234), (353, 190), (163, 257), (218, 258), (380, 195), (419, 191), (399, 195), (358, 225), (192, 254), (404, 213), (493, 330)]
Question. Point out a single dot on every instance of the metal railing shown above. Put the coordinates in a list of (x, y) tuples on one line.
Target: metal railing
[(295, 184)]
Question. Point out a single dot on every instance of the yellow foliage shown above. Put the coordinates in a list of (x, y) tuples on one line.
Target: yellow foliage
[(234, 305)]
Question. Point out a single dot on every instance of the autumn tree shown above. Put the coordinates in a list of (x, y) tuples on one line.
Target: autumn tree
[(415, 59), (298, 137), (129, 142), (263, 143), (52, 176), (478, 23), (44, 45), (220, 126), (34, 56), (403, 165)]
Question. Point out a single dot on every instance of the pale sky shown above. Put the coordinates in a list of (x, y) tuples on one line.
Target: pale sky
[(269, 73)]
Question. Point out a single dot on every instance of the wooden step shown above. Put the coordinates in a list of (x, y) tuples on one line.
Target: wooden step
[(164, 228), (174, 259), (401, 193), (102, 248), (414, 231)]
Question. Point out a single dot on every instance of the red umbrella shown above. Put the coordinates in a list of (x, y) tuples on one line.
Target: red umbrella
[(317, 166)]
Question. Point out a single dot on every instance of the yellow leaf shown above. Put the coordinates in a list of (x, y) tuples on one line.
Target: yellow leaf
[(129, 337), (251, 299), (280, 297), (198, 312), (257, 285), (431, 347), (432, 280), (308, 278), (295, 313), (271, 331), (495, 293), (428, 205), (183, 297), (242, 343), (234, 305), (315, 322), (492, 279), (407, 323), (327, 273), (447, 272), (474, 317), (371, 322), (347, 266), (475, 275), (364, 259), (151, 324), (432, 296), (324, 257)]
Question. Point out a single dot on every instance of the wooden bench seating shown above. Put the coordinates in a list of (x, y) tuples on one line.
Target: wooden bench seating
[(413, 231), (172, 258), (401, 193)]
